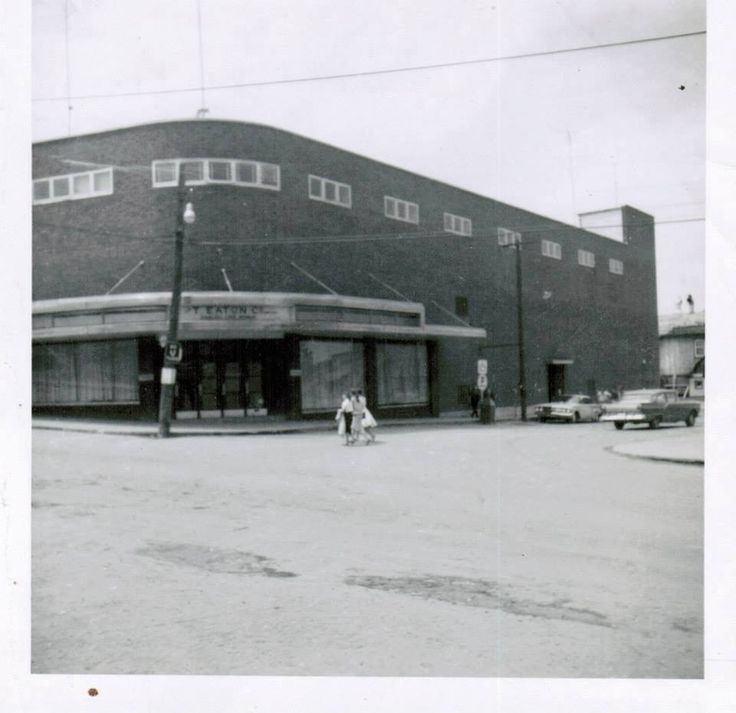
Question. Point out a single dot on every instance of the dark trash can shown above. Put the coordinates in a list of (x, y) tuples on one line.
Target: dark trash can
[(487, 411)]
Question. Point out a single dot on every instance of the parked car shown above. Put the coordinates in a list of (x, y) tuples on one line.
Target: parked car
[(651, 406), (569, 407)]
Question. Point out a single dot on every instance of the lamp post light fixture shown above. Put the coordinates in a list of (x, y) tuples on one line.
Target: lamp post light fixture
[(172, 349)]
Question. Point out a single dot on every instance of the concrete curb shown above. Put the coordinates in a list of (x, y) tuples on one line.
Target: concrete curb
[(620, 451), (180, 431)]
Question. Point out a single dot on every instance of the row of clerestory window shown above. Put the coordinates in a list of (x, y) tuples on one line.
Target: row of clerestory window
[(586, 258), (73, 186), (201, 171)]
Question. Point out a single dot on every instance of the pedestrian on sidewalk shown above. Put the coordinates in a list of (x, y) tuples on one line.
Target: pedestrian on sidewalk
[(359, 406), (369, 423), (344, 418), (474, 401)]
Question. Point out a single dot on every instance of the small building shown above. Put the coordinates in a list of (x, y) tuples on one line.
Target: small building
[(682, 352)]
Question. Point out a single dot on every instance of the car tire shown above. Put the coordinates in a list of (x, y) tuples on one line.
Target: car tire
[(619, 425), (654, 423), (690, 420), (576, 417)]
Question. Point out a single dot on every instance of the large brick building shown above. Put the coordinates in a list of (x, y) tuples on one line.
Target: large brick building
[(311, 269)]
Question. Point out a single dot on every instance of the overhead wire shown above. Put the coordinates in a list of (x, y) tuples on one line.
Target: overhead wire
[(354, 237), (374, 72)]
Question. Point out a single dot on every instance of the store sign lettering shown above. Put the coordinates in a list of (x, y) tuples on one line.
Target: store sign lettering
[(233, 312)]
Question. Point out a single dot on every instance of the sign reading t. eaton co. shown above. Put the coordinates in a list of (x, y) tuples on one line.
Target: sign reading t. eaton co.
[(249, 313)]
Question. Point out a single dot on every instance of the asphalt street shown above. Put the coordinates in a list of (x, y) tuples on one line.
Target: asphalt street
[(513, 550)]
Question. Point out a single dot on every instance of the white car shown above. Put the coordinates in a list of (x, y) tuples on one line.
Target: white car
[(569, 407), (651, 406)]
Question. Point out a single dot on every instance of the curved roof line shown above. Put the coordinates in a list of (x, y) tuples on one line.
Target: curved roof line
[(133, 127)]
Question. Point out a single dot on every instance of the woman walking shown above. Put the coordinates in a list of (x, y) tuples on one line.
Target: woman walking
[(369, 423), (344, 418), (361, 424)]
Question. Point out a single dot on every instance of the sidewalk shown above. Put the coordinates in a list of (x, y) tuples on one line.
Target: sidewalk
[(682, 446), (238, 426)]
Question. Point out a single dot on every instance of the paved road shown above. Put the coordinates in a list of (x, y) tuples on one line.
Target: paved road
[(470, 551)]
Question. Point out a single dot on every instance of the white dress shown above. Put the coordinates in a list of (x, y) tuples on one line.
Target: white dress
[(368, 420)]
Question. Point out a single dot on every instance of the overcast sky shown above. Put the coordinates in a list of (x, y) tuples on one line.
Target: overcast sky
[(558, 134)]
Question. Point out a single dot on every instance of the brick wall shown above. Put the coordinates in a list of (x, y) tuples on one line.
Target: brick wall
[(606, 323)]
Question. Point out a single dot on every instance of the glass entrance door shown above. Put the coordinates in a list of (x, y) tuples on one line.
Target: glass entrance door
[(231, 388), (208, 388), (231, 378), (254, 394)]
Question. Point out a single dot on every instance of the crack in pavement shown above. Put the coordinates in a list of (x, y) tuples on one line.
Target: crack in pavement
[(465, 591)]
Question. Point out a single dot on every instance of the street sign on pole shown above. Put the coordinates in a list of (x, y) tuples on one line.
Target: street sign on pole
[(174, 351), (482, 382), (483, 366)]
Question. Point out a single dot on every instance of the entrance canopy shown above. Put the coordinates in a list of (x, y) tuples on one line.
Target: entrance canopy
[(237, 315)]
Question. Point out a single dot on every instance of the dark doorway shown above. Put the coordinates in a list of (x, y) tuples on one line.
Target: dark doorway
[(231, 378), (555, 380)]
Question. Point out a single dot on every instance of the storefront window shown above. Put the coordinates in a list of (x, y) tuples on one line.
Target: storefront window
[(402, 373), (85, 373), (329, 368)]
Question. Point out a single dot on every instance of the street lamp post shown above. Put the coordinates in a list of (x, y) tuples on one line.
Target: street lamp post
[(520, 330), (172, 350)]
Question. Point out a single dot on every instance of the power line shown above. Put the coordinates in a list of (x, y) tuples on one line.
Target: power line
[(371, 237), (101, 231), (373, 73), (351, 237)]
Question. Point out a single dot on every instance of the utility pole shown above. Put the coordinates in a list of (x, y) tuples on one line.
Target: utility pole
[(172, 348), (520, 331)]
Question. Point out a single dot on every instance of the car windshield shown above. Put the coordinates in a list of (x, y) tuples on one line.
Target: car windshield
[(562, 398)]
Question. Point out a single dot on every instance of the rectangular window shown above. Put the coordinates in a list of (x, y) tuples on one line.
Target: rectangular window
[(220, 171), (85, 373), (193, 171), (586, 258), (101, 182), (551, 249), (165, 173), (328, 191), (458, 225), (508, 237), (329, 369), (246, 172), (72, 186), (270, 175), (61, 187), (41, 190), (402, 373), (82, 184), (315, 187), (400, 210), (699, 347), (616, 266)]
